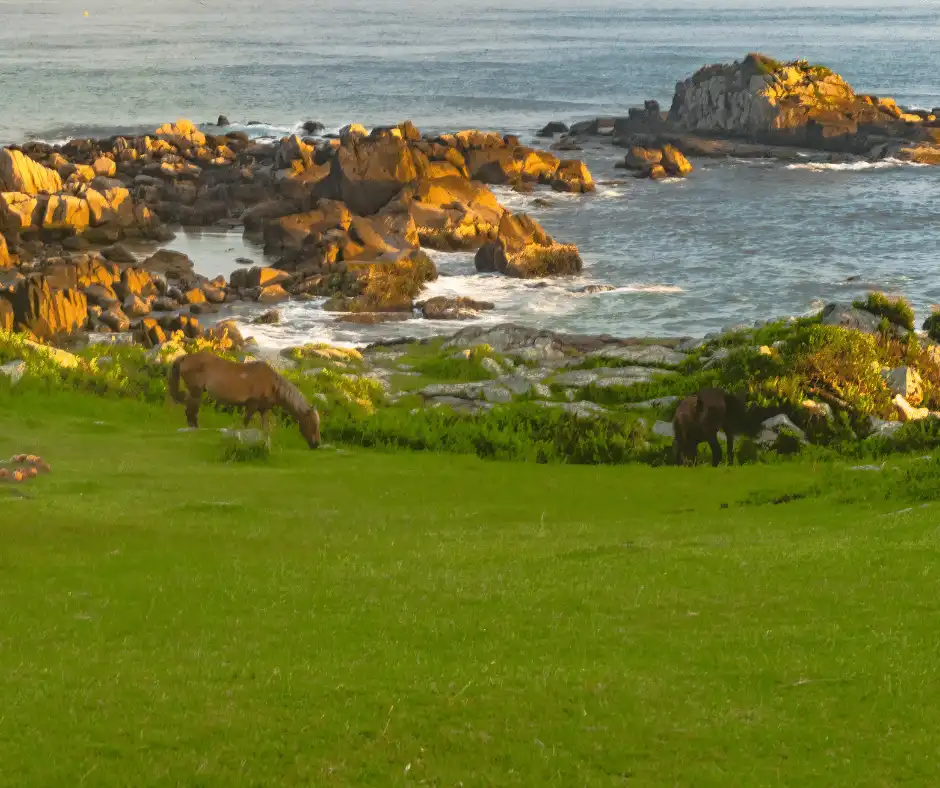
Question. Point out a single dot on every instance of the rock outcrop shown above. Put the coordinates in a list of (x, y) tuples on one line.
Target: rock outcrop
[(793, 103), (48, 313), (19, 173)]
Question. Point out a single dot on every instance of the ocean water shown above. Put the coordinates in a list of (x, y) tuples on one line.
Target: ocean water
[(736, 242)]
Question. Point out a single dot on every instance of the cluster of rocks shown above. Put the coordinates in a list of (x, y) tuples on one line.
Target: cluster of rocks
[(656, 163), (758, 107), (346, 218)]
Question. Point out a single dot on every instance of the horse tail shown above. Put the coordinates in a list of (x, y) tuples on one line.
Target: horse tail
[(174, 382)]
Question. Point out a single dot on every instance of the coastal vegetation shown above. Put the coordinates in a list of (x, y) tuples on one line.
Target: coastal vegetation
[(352, 617)]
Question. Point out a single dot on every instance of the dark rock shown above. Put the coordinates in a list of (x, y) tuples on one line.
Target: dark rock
[(203, 308), (553, 128), (174, 265), (460, 308), (117, 253), (115, 319), (269, 318), (591, 289), (223, 121), (244, 261), (313, 127)]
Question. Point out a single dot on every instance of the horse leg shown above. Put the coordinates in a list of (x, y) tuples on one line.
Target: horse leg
[(265, 426), (716, 450), (192, 408), (250, 409)]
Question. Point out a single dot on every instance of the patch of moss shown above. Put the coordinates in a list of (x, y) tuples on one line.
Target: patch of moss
[(895, 308)]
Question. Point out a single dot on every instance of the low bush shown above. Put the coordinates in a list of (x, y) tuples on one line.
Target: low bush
[(895, 309)]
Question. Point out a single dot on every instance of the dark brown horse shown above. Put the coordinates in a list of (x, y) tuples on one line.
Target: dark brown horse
[(254, 386), (700, 417)]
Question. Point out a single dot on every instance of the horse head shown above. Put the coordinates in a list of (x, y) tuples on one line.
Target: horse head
[(310, 427)]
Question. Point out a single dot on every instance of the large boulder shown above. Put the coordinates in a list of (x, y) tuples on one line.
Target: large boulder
[(782, 103), (175, 265), (66, 213), (533, 261), (459, 308), (390, 286), (674, 162), (294, 231), (453, 213), (19, 173), (7, 318), (523, 249), (182, 134), (18, 211), (112, 206), (367, 173), (5, 260), (49, 314), (850, 317), (573, 176)]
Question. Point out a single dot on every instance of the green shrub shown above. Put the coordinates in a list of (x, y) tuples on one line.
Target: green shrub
[(932, 326), (456, 366), (895, 309)]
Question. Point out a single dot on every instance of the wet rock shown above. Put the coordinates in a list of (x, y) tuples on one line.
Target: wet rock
[(553, 128), (593, 289), (223, 121), (244, 261), (272, 294), (313, 127), (269, 318), (573, 176), (460, 308), (674, 163), (642, 158)]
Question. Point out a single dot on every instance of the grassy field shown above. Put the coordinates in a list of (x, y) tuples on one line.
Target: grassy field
[(345, 617)]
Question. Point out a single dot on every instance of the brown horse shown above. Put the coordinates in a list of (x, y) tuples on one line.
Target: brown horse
[(254, 386), (698, 420)]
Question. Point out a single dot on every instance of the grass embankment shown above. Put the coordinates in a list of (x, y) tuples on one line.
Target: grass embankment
[(358, 618)]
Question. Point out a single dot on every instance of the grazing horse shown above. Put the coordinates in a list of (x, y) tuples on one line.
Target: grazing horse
[(254, 385), (699, 418)]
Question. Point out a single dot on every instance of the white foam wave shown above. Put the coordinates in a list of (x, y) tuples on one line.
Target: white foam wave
[(637, 288), (854, 166)]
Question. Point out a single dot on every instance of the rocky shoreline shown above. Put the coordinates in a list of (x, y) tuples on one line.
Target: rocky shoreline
[(347, 218)]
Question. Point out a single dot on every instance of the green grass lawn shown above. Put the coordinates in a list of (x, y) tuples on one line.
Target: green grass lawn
[(345, 617)]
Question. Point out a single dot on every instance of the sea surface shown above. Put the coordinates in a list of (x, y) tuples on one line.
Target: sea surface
[(736, 242)]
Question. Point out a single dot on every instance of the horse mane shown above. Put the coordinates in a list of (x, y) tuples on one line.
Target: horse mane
[(290, 397)]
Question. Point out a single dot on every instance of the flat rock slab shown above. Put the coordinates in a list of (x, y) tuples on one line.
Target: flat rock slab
[(641, 354), (583, 409), (651, 404), (619, 376), (14, 370)]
